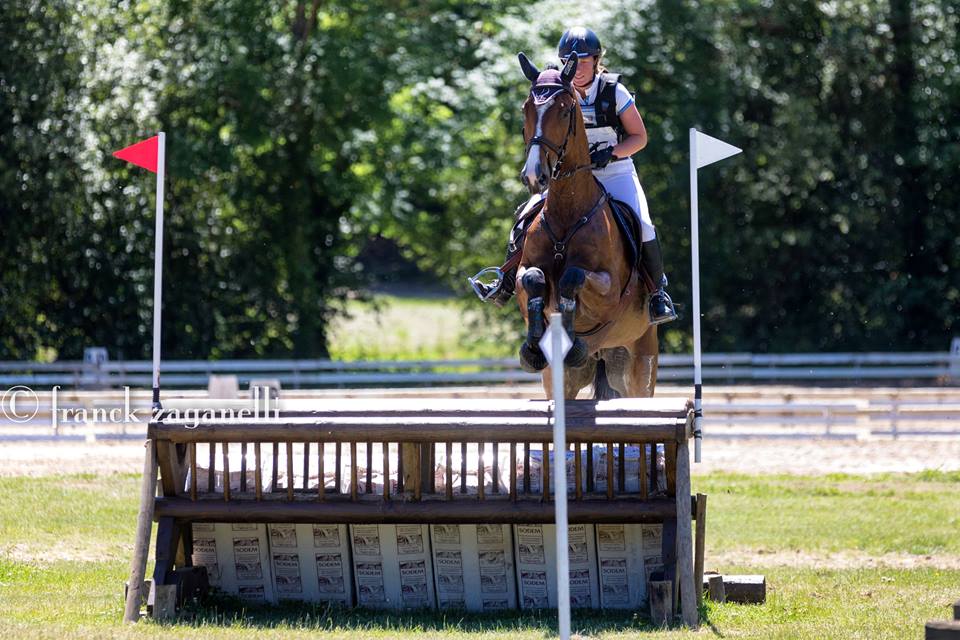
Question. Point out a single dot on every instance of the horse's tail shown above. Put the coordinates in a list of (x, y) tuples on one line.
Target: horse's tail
[(601, 386)]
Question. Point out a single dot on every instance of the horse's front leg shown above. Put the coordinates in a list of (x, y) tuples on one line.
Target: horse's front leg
[(535, 285), (571, 283)]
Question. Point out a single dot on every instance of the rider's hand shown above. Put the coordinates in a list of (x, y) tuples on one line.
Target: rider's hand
[(601, 157)]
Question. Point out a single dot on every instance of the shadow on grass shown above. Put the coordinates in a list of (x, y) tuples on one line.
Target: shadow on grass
[(226, 611)]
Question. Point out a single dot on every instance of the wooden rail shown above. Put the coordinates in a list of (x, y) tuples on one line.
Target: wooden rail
[(414, 446)]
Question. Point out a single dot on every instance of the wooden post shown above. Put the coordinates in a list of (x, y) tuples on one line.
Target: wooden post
[(661, 603), (699, 550), (688, 598), (715, 588), (138, 564), (956, 610)]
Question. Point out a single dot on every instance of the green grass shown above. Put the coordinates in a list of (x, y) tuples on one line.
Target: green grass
[(65, 540), (401, 328)]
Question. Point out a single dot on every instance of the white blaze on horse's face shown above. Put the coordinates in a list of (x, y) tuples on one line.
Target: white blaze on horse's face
[(534, 177)]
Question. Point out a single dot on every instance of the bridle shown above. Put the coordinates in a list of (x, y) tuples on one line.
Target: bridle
[(546, 101)]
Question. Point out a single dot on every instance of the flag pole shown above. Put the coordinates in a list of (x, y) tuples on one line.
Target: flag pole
[(560, 474), (158, 267), (695, 276)]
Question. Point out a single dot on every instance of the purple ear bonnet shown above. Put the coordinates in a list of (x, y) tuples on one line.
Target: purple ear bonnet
[(548, 84)]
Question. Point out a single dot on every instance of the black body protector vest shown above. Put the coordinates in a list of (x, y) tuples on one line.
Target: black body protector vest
[(600, 118)]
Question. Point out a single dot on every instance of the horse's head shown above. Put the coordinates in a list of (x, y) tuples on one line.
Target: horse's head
[(550, 116)]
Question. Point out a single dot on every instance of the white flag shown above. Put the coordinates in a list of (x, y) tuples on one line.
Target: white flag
[(710, 150)]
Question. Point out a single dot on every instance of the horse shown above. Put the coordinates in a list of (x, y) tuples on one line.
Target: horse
[(574, 256)]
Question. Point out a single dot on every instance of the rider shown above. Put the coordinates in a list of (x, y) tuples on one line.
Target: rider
[(615, 131)]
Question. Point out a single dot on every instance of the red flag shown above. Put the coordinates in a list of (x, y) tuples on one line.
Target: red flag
[(143, 154)]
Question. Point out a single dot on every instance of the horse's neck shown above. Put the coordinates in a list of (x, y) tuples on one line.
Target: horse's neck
[(570, 198)]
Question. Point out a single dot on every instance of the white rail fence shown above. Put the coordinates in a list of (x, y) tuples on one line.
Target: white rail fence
[(931, 368)]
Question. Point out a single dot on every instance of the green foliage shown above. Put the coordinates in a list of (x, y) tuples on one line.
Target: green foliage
[(298, 131)]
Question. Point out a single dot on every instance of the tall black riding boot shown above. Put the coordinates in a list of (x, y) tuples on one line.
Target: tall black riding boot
[(661, 306)]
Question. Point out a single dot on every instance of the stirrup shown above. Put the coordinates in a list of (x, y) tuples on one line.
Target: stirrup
[(671, 314), (485, 291)]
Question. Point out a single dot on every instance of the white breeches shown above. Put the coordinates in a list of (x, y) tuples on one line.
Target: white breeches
[(626, 187)]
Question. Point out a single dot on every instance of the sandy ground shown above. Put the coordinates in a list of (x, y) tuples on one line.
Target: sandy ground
[(759, 456)]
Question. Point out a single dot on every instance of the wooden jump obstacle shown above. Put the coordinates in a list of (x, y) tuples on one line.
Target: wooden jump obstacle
[(419, 428)]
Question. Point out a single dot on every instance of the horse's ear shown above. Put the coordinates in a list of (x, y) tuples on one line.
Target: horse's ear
[(529, 69), (569, 69)]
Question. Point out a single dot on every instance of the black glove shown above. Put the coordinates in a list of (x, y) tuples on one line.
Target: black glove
[(601, 157)]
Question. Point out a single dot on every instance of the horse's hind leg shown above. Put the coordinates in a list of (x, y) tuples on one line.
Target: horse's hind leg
[(535, 285), (571, 283), (641, 375)]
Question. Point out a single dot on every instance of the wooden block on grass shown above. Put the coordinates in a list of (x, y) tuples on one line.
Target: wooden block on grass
[(661, 602), (165, 602), (743, 589), (943, 630)]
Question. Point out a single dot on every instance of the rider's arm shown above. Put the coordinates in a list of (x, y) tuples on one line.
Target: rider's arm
[(636, 133), (632, 123)]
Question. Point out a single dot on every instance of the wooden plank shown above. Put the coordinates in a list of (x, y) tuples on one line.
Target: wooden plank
[(412, 430), (369, 479), (589, 463), (289, 471), (688, 597), (545, 467), (353, 471), (449, 471), (243, 467), (942, 630), (513, 471), (495, 488), (621, 468), (306, 466), (193, 470), (700, 549), (577, 474), (226, 471), (257, 473), (417, 493), (435, 511), (401, 452), (654, 472), (386, 471), (745, 589), (338, 469), (321, 477), (276, 467), (644, 492), (211, 465), (481, 475), (661, 603), (526, 467), (609, 446), (463, 468)]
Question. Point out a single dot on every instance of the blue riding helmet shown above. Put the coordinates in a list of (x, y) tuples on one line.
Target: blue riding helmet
[(579, 40)]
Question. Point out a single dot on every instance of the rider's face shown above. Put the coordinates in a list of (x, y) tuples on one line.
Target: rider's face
[(585, 69)]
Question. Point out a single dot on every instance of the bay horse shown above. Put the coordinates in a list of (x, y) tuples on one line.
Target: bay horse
[(574, 256)]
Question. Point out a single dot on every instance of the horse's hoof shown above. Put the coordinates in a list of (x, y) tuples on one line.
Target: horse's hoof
[(577, 356), (532, 359)]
